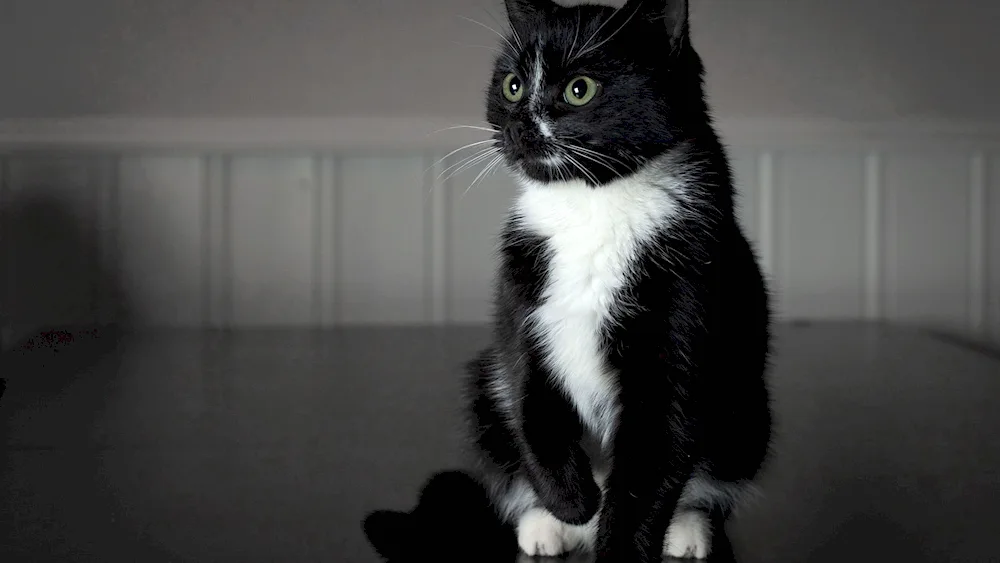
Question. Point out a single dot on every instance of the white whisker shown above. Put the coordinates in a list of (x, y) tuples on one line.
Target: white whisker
[(483, 172), (594, 159), (591, 38), (470, 160), (582, 169), (469, 163), (459, 149), (586, 49), (563, 170), (474, 46), (513, 32), (465, 160), (500, 35), (597, 154), (476, 127), (576, 35)]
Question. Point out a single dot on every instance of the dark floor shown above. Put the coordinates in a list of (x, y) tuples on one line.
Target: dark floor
[(272, 445)]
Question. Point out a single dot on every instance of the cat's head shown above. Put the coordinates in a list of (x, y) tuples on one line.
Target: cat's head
[(593, 92)]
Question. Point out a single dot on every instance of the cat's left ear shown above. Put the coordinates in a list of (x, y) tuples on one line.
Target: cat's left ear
[(672, 14)]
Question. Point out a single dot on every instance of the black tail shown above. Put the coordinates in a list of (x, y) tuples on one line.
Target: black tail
[(453, 521)]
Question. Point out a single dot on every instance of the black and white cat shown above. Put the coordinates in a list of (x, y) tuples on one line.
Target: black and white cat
[(622, 407)]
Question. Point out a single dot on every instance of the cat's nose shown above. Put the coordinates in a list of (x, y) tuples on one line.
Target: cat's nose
[(521, 138), (514, 134)]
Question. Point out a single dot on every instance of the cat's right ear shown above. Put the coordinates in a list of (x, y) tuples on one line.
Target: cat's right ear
[(672, 13), (525, 14)]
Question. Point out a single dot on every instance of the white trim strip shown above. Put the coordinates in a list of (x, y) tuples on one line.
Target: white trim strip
[(434, 133)]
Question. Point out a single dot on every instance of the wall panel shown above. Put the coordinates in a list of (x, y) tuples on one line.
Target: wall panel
[(745, 177), (820, 233), (477, 213), (159, 238), (382, 245), (846, 227), (274, 214), (991, 250), (54, 260), (927, 238)]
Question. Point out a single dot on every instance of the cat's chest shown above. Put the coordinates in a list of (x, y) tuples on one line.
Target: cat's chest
[(594, 241)]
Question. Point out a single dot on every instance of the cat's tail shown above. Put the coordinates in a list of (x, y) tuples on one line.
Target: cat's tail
[(453, 521)]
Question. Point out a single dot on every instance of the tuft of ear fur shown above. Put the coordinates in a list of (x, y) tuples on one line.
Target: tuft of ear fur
[(673, 14)]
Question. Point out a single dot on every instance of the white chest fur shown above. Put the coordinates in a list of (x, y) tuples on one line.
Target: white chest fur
[(594, 237)]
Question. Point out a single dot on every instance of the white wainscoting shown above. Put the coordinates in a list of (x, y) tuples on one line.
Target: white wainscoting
[(336, 222)]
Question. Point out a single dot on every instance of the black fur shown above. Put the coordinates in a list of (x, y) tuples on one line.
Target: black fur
[(690, 354)]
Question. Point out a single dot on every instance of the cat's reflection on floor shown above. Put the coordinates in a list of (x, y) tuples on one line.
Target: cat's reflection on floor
[(453, 522)]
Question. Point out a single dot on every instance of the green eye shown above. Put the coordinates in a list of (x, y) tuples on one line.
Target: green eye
[(580, 91), (512, 88)]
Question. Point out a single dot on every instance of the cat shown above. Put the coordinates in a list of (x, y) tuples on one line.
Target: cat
[(622, 407)]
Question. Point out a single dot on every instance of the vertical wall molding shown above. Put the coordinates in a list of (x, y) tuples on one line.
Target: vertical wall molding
[(781, 224), (226, 215), (991, 251), (217, 245), (325, 242), (874, 237), (107, 183), (978, 267), (437, 230), (766, 207), (336, 310), (205, 187), (316, 266), (6, 258), (889, 260)]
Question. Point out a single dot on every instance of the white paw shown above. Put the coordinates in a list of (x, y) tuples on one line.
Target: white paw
[(541, 533), (689, 535)]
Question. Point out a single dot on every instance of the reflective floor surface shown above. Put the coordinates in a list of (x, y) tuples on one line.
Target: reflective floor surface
[(272, 446)]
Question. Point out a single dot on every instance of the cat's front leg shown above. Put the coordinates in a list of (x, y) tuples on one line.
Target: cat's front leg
[(556, 464), (650, 469), (654, 448)]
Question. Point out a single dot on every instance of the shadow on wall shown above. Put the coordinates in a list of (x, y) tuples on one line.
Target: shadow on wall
[(65, 306), (62, 302)]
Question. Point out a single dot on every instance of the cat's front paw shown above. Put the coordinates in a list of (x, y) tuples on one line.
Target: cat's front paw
[(577, 510), (689, 535), (574, 501), (539, 533)]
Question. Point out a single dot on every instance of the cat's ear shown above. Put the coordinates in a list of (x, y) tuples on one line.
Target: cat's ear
[(672, 14), (527, 13)]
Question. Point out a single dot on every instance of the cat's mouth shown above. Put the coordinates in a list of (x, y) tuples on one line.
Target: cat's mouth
[(550, 159), (544, 167)]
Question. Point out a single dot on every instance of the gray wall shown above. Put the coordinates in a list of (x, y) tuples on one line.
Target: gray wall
[(257, 163), (845, 59)]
